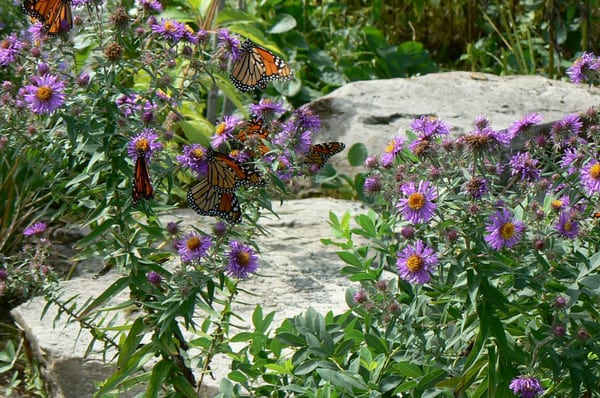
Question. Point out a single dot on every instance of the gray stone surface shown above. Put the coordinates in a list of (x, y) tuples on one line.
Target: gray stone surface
[(372, 112), (297, 271)]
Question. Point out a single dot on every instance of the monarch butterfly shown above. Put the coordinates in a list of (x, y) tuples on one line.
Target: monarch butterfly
[(142, 187), (206, 200), (319, 154), (255, 129), (227, 174), (256, 66), (55, 15)]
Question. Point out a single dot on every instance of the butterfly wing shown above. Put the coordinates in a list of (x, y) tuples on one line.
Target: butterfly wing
[(142, 186), (256, 66), (51, 13), (227, 174), (319, 154), (255, 129), (248, 69), (275, 67), (206, 200)]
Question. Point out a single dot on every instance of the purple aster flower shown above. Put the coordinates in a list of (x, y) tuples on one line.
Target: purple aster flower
[(417, 206), (154, 278), (590, 177), (228, 43), (220, 228), (10, 48), (193, 246), (360, 297), (526, 387), (522, 125), (266, 108), (584, 69), (173, 227), (242, 260), (224, 131), (565, 131), (45, 94), (372, 184), (524, 165), (392, 150), (477, 187), (189, 35), (284, 170), (194, 157), (128, 104), (372, 162), (416, 263), (83, 79), (503, 230), (146, 141), (485, 138), (570, 159), (169, 29), (566, 226), (3, 275), (306, 119), (35, 229), (561, 203), (150, 5), (43, 68), (242, 156), (481, 122), (429, 127), (37, 32)]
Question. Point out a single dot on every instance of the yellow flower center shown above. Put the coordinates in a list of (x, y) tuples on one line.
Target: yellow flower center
[(507, 231), (188, 28), (234, 153), (193, 243), (170, 26), (220, 129), (44, 93), (595, 171), (414, 263), (416, 201), (567, 226), (142, 144), (243, 258), (556, 204), (198, 153), (390, 147)]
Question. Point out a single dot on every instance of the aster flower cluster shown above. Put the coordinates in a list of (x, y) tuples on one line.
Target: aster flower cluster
[(513, 207)]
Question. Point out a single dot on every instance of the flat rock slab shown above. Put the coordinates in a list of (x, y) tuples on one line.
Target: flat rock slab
[(372, 112), (296, 272)]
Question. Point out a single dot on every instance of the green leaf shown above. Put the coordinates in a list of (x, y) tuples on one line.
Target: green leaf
[(346, 380), (132, 341), (350, 258), (407, 369), (357, 154), (157, 379), (283, 23)]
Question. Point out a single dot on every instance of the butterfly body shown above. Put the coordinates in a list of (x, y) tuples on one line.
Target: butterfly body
[(256, 66), (55, 15), (142, 186)]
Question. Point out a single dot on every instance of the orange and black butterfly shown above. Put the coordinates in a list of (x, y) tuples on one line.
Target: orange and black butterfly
[(255, 130), (319, 154), (142, 186), (227, 174), (206, 200), (55, 15), (256, 66)]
